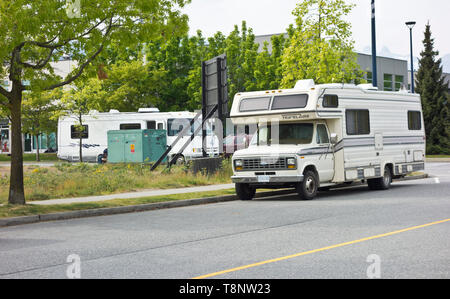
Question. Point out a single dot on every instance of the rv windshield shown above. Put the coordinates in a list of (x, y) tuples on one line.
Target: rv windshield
[(289, 134)]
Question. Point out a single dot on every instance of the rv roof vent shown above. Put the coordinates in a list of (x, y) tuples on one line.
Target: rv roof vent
[(148, 110), (368, 87), (305, 84), (114, 111)]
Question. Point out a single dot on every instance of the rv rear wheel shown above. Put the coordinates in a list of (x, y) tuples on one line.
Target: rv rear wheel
[(307, 189), (245, 192), (180, 160), (383, 183)]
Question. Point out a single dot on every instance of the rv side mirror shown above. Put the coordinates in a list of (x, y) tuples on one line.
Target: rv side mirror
[(333, 138)]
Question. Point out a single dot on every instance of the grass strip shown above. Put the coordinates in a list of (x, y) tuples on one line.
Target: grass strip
[(8, 211)]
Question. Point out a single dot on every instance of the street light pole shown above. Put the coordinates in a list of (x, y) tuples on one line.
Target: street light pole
[(374, 48), (411, 25)]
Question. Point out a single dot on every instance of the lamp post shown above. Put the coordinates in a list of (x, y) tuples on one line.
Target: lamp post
[(411, 25), (374, 48)]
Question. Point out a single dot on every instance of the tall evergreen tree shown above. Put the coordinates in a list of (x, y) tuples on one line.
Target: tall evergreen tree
[(435, 99)]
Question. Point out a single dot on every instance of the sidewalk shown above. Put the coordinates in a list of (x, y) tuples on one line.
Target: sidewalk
[(40, 164), (130, 195), (437, 160)]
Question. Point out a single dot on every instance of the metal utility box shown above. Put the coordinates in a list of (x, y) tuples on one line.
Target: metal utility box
[(136, 146)]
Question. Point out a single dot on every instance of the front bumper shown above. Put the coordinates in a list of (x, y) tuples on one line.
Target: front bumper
[(267, 179)]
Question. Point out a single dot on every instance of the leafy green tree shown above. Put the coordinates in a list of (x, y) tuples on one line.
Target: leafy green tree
[(131, 85), (171, 58), (241, 51), (40, 110), (79, 101), (35, 33), (435, 99), (201, 50), (320, 46), (268, 71)]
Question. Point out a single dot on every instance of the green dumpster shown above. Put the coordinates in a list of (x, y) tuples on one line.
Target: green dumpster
[(136, 146)]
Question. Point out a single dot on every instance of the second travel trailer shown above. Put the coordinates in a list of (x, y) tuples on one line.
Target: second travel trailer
[(96, 126), (319, 136)]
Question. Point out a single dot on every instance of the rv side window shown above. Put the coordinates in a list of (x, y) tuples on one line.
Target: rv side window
[(330, 101), (290, 102), (151, 125), (75, 132), (130, 126), (322, 135), (358, 122), (414, 120), (176, 125), (254, 104), (160, 126)]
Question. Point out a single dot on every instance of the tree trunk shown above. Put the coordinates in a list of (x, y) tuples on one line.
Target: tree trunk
[(80, 131), (16, 189), (37, 149), (81, 147)]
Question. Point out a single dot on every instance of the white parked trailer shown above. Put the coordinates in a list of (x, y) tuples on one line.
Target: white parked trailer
[(96, 127), (325, 135)]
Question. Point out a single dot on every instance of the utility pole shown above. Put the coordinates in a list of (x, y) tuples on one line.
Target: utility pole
[(411, 25), (374, 48)]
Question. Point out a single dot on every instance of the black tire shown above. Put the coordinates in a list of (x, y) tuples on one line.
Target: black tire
[(179, 161), (245, 192), (307, 190), (383, 183)]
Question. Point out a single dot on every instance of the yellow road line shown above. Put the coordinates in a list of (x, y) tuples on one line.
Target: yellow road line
[(318, 250)]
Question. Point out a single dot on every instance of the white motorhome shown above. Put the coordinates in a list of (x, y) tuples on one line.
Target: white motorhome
[(96, 127), (319, 136)]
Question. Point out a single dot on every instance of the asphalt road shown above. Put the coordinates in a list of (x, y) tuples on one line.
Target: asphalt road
[(405, 230)]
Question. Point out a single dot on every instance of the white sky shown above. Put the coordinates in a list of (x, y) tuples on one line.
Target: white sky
[(274, 16)]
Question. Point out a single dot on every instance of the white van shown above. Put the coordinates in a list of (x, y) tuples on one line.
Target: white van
[(318, 136), (96, 127)]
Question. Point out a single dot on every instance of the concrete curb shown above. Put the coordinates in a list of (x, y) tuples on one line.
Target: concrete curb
[(128, 209), (412, 178)]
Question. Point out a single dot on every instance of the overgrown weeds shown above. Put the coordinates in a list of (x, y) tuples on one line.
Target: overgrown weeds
[(82, 179)]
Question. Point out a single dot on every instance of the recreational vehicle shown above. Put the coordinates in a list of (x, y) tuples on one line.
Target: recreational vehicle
[(96, 126), (319, 136)]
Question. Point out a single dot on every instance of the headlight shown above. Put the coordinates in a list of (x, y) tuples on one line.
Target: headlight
[(238, 164), (291, 163)]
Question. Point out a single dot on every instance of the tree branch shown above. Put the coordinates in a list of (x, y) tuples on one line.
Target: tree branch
[(4, 93), (78, 74), (85, 64), (40, 64)]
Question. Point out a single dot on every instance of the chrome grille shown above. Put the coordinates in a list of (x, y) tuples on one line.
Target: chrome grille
[(264, 164)]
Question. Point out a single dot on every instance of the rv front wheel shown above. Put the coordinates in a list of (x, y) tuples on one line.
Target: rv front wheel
[(307, 189), (245, 192), (383, 183)]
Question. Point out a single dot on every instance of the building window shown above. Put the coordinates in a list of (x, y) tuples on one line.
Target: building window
[(130, 126), (398, 82), (75, 132), (330, 101), (388, 82), (358, 122), (369, 77), (414, 120)]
